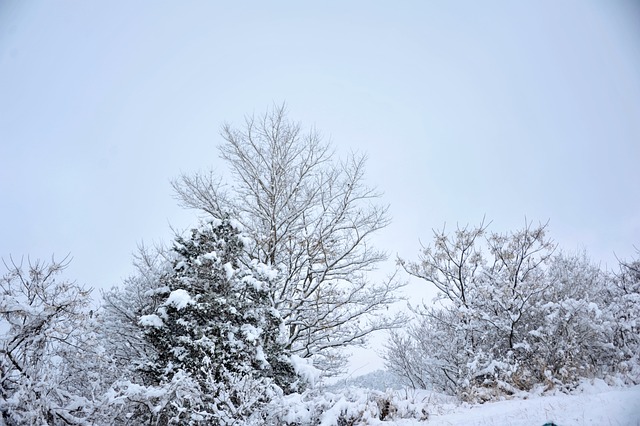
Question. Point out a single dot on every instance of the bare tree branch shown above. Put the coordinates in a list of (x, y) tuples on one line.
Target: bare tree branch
[(311, 218)]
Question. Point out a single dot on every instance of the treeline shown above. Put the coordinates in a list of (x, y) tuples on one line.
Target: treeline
[(515, 313), (235, 320), (269, 288)]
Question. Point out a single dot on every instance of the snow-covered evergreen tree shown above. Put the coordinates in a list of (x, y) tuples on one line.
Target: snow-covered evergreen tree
[(217, 332)]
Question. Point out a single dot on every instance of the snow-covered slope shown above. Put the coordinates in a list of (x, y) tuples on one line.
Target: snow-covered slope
[(596, 405), (613, 407), (593, 403)]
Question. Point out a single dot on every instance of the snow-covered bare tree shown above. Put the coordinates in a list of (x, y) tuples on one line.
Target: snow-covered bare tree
[(123, 338), (219, 343), (626, 311), (122, 306), (511, 315), (311, 218), (49, 356)]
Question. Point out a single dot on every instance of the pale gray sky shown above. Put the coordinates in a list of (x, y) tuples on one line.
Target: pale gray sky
[(465, 108)]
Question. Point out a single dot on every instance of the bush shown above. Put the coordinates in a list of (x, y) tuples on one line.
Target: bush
[(513, 315)]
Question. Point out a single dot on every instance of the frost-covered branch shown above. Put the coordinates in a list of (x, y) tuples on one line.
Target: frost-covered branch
[(311, 218)]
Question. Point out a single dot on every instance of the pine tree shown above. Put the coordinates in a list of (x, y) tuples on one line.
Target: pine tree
[(218, 328)]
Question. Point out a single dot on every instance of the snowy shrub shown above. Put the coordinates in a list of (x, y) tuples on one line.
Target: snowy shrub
[(51, 362), (511, 315), (352, 406), (626, 314)]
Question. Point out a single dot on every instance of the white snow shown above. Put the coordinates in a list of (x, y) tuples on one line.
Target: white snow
[(245, 239), (150, 321), (228, 269), (213, 256), (305, 369), (250, 332), (596, 406), (593, 404), (235, 224), (179, 299), (266, 271), (155, 291), (261, 357), (214, 222)]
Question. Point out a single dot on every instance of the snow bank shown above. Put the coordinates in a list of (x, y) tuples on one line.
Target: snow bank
[(597, 404), (594, 403)]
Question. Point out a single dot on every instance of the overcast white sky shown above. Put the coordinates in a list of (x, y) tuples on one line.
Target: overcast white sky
[(465, 108)]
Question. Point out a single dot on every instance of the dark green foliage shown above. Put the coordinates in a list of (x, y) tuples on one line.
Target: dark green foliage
[(218, 324)]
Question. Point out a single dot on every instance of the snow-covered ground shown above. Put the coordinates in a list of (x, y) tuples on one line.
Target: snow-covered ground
[(593, 403), (596, 405)]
